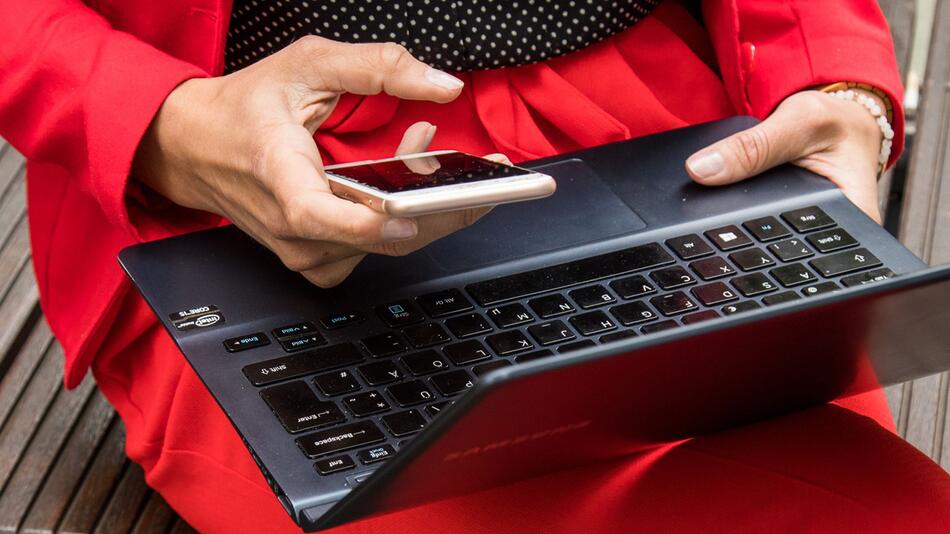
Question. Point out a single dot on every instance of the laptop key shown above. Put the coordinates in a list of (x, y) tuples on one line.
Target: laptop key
[(778, 298), (699, 317), (410, 393), (818, 289), (592, 297), (551, 332), (551, 306), (877, 275), (753, 284), (340, 320), (569, 274), (589, 324), (509, 315), (247, 341), (435, 409), (575, 345), (452, 382), (399, 314), (510, 342), (385, 344), (790, 250), (633, 313), (298, 408), (376, 454), (302, 363), (466, 352), (690, 246), (808, 219), (293, 330), (831, 240), (766, 229), (306, 341), (739, 307), (382, 372), (442, 303), (531, 356), (425, 362), (632, 287), (712, 268), (728, 237), (845, 262), (404, 423), (334, 465), (426, 335), (792, 275), (336, 383), (673, 303), (658, 327), (617, 336), (350, 436), (486, 368), (468, 325), (751, 259), (714, 293), (368, 403), (672, 277)]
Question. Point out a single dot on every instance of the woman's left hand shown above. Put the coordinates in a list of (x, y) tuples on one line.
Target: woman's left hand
[(835, 138)]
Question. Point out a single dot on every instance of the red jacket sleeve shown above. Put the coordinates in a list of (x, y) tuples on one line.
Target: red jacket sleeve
[(769, 49), (76, 93)]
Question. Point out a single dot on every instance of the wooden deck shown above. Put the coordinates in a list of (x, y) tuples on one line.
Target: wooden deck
[(62, 465)]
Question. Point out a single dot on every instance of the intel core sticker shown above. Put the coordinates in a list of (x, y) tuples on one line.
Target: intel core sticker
[(200, 317)]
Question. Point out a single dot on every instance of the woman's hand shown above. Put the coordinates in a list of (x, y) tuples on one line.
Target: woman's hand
[(835, 138), (242, 146)]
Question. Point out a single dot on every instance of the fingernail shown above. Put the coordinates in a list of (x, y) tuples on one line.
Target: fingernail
[(706, 165), (443, 79), (430, 134), (396, 229)]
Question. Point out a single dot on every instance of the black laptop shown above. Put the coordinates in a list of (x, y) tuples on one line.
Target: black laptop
[(631, 308)]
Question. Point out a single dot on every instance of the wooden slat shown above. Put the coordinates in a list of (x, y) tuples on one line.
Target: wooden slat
[(29, 411), (44, 447), (17, 376), (14, 254), (12, 206), (156, 518), (17, 308), (11, 164), (99, 483), (125, 502), (181, 527), (71, 463)]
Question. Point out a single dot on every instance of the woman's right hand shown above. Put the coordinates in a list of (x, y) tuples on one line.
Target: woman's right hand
[(242, 146)]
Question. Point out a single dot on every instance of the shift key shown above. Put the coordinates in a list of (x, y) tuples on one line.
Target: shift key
[(303, 363), (340, 438)]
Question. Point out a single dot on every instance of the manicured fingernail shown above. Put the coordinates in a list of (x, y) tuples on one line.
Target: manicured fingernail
[(396, 229), (706, 165), (443, 79)]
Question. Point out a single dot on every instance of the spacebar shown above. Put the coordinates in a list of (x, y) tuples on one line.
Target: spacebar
[(568, 274)]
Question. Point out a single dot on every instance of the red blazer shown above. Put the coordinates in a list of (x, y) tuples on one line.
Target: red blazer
[(80, 82)]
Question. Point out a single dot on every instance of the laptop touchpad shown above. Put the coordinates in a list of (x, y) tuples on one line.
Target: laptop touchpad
[(583, 210)]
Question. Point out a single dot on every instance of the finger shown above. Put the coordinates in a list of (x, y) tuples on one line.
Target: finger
[(432, 227), (333, 274), (416, 138), (368, 69), (498, 158), (313, 212), (789, 133)]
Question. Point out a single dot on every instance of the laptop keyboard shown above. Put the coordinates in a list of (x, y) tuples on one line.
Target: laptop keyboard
[(348, 404)]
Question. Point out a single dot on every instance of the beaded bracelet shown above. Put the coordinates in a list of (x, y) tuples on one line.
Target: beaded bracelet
[(879, 117)]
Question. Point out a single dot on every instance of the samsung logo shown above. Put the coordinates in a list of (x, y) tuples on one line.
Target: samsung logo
[(516, 440)]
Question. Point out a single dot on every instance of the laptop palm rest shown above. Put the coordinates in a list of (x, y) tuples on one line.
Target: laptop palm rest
[(584, 209)]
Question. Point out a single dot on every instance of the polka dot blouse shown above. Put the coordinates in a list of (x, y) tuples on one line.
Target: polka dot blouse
[(451, 35)]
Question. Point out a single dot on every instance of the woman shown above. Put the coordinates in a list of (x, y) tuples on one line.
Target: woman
[(132, 133)]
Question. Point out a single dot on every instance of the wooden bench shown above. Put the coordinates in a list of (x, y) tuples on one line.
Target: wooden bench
[(62, 465)]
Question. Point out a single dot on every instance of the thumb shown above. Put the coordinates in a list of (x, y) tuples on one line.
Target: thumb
[(778, 139)]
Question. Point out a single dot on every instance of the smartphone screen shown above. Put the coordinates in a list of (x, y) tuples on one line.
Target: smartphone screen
[(452, 168)]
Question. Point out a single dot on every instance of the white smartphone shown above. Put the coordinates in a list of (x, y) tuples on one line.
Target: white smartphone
[(431, 182)]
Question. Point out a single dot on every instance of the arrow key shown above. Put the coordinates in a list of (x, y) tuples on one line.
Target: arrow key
[(845, 262)]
